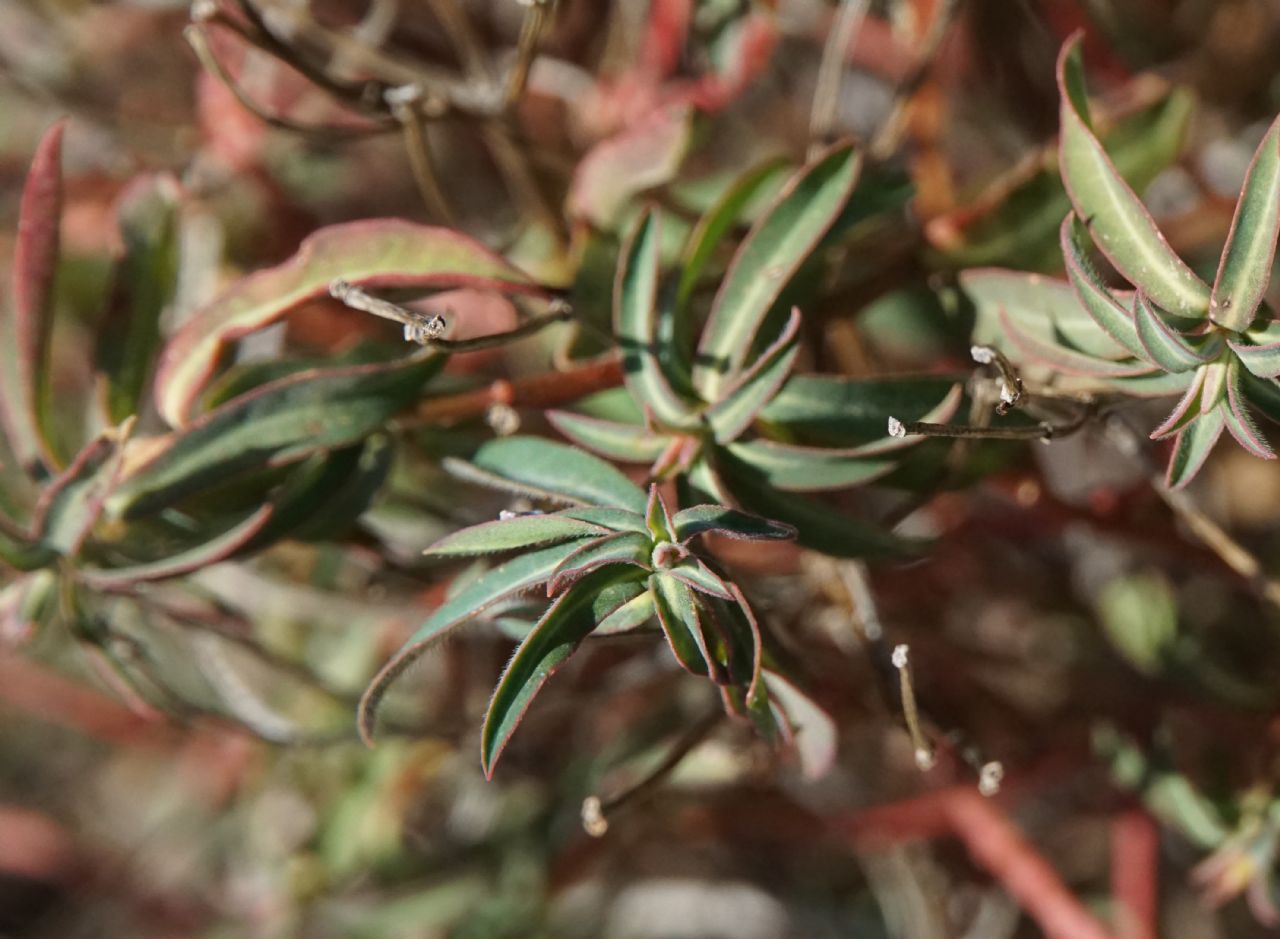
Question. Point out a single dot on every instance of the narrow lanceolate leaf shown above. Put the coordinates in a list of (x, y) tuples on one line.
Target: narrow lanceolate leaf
[(681, 624), (757, 643), (279, 423), (1215, 385), (375, 253), (612, 519), (523, 531), (700, 577), (1164, 346), (657, 518), (25, 328), (814, 733), (783, 238), (1239, 421), (71, 504), (1094, 296), (211, 552), (1263, 361), (717, 519), (809, 469), (505, 580), (646, 353), (849, 412), (628, 443), (549, 644), (544, 469), (1192, 447), (624, 548), (737, 410), (1044, 308), (1065, 360), (818, 527), (145, 279), (629, 616), (1118, 221), (718, 222), (1186, 410), (1245, 269)]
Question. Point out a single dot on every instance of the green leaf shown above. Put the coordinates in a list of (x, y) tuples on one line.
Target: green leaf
[(1239, 421), (1096, 299), (1164, 346), (1014, 221), (279, 423), (1192, 447), (505, 580), (1117, 220), (717, 519), (1140, 616), (1263, 361), (628, 443), (814, 732), (742, 402), (818, 526), (637, 307), (696, 574), (348, 490), (850, 412), (145, 279), (1245, 269), (523, 531), (544, 469), (681, 623), (625, 548), (371, 253), (808, 469), (25, 330), (213, 551), (631, 615), (783, 238), (712, 228), (1063, 359), (549, 644), (612, 519), (72, 503), (1187, 408), (657, 518)]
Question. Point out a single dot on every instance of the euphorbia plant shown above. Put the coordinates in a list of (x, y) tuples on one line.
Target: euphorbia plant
[(614, 561), (1216, 345)]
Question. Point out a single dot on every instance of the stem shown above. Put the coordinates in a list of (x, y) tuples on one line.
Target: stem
[(1135, 860), (899, 428), (526, 49), (925, 757), (420, 162), (540, 392)]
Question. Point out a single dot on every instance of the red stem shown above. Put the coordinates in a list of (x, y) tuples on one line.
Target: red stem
[(1135, 858)]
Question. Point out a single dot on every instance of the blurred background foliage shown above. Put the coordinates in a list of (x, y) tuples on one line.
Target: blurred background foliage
[(195, 772)]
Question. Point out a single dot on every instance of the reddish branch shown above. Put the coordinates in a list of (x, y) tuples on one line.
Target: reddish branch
[(539, 391), (1135, 853), (995, 845)]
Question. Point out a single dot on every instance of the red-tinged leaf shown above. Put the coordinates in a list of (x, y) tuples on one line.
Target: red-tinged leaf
[(742, 401), (780, 241), (1192, 447), (1245, 269), (1263, 361), (25, 329), (1263, 394), (508, 579), (757, 643), (549, 644), (628, 617), (809, 469), (1095, 298), (717, 519), (624, 548), (747, 47), (696, 574), (646, 155), (1187, 408), (523, 531), (657, 518), (1065, 360), (813, 731), (372, 253), (681, 623), (628, 443), (1164, 346), (1240, 422), (1116, 218), (72, 503), (668, 27), (216, 549)]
